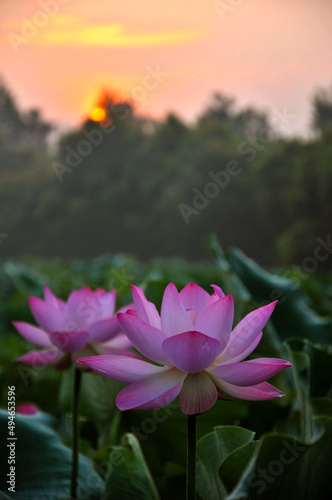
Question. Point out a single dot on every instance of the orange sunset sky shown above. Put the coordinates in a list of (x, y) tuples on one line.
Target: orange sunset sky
[(271, 53)]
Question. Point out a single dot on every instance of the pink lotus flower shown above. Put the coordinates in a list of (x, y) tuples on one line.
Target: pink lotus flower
[(27, 409), (84, 325), (199, 356)]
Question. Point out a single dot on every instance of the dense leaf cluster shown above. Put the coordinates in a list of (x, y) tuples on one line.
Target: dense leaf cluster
[(273, 449)]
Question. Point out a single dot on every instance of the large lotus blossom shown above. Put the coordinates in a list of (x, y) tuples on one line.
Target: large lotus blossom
[(195, 353), (84, 325)]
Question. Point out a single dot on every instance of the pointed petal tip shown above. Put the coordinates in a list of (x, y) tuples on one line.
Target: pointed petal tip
[(121, 404), (122, 315), (192, 285), (217, 290), (40, 358), (136, 290), (83, 361), (171, 285), (87, 361), (267, 307), (47, 289), (32, 333), (86, 364), (174, 317), (283, 363), (249, 373)]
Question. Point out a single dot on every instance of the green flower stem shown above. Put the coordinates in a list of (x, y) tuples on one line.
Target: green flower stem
[(74, 463), (191, 457)]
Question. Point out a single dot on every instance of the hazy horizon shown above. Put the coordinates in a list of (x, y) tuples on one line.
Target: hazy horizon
[(57, 55)]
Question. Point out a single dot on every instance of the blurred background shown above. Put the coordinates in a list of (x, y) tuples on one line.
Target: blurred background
[(129, 132), (140, 127)]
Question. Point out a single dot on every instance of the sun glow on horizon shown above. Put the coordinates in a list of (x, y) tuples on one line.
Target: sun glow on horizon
[(165, 58), (98, 114)]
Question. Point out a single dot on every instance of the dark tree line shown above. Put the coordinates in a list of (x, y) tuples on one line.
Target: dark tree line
[(157, 188)]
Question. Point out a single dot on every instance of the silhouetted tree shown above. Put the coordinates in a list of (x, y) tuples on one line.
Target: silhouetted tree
[(322, 104)]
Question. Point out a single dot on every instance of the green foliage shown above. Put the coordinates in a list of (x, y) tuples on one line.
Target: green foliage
[(97, 401), (323, 109), (293, 316), (42, 462), (124, 196), (120, 188), (282, 467), (127, 461), (212, 450), (230, 460)]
